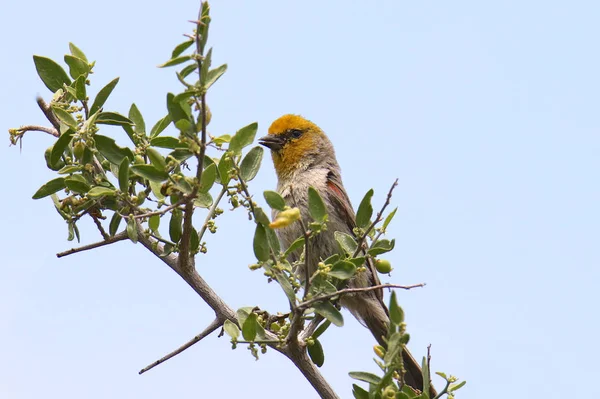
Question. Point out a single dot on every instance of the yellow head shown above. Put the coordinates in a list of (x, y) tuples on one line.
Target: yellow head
[(294, 142)]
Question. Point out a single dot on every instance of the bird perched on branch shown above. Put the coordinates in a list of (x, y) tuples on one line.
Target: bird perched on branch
[(303, 157)]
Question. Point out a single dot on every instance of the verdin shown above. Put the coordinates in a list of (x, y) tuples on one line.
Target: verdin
[(303, 156)]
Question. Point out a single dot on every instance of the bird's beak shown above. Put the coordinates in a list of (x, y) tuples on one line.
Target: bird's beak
[(273, 142)]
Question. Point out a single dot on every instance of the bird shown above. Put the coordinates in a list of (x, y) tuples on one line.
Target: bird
[(303, 157)]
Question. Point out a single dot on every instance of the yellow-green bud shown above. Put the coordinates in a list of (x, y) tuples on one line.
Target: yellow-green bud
[(285, 218)]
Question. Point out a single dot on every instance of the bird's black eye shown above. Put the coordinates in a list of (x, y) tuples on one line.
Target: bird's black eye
[(295, 133)]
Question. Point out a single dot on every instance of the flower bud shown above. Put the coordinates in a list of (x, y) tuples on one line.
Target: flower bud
[(285, 218)]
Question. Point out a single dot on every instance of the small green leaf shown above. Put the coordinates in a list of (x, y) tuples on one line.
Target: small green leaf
[(321, 329), (77, 66), (181, 47), (176, 110), (273, 240), (124, 175), (52, 74), (394, 347), (316, 354), (381, 247), (65, 117), (75, 51), (316, 206), (175, 226), (243, 138), (443, 375), (456, 387), (187, 70), (180, 154), (154, 222), (396, 312), (175, 61), (209, 175), (160, 126), (206, 62), (50, 187), (132, 232), (111, 151), (364, 376), (409, 392), (167, 142), (359, 393), (156, 158), (99, 191), (365, 211), (388, 219), (225, 166), (251, 164), (213, 75), (194, 241), (426, 378), (225, 138), (274, 200), (297, 244), (115, 221), (261, 244), (203, 200), (285, 284), (342, 270), (102, 95), (346, 241), (231, 329), (149, 172), (136, 117), (328, 311), (80, 89), (249, 327), (113, 118), (59, 147), (77, 183), (261, 217)]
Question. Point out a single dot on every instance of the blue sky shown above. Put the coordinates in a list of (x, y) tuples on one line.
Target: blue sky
[(486, 112)]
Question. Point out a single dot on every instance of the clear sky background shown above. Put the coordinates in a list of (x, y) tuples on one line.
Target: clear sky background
[(487, 112)]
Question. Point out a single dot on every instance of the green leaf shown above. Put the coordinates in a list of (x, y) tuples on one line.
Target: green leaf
[(402, 395), (316, 206), (77, 183), (50, 187), (346, 241), (285, 284), (206, 62), (65, 117), (225, 165), (321, 329), (154, 222), (231, 329), (249, 327), (194, 241), (328, 311), (225, 138), (167, 142), (365, 211), (243, 138), (203, 200), (175, 226), (213, 75), (160, 126), (180, 154), (408, 391), (273, 240), (102, 95), (111, 151), (443, 375), (132, 232), (342, 270), (394, 348), (80, 89), (113, 118), (115, 221), (274, 200), (77, 66), (316, 354), (99, 191), (251, 164), (156, 158), (209, 175), (381, 247), (176, 110), (175, 61), (76, 52), (181, 47), (364, 376), (456, 387), (396, 312), (261, 217), (60, 146), (70, 169), (297, 244), (149, 172), (52, 74), (136, 117), (426, 378), (261, 244), (124, 175), (359, 393), (388, 219), (187, 70)]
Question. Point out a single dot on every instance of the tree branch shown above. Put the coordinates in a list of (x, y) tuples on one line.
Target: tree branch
[(48, 113), (216, 323), (50, 130), (111, 240)]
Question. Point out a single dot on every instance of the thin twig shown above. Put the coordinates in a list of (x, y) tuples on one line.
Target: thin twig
[(159, 212), (378, 219), (211, 212), (216, 323), (100, 228), (116, 238), (48, 113), (345, 291), (50, 130)]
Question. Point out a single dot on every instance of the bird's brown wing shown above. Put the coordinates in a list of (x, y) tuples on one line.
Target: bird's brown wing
[(342, 205)]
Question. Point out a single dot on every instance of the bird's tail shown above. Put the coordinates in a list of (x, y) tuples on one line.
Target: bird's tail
[(375, 318)]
